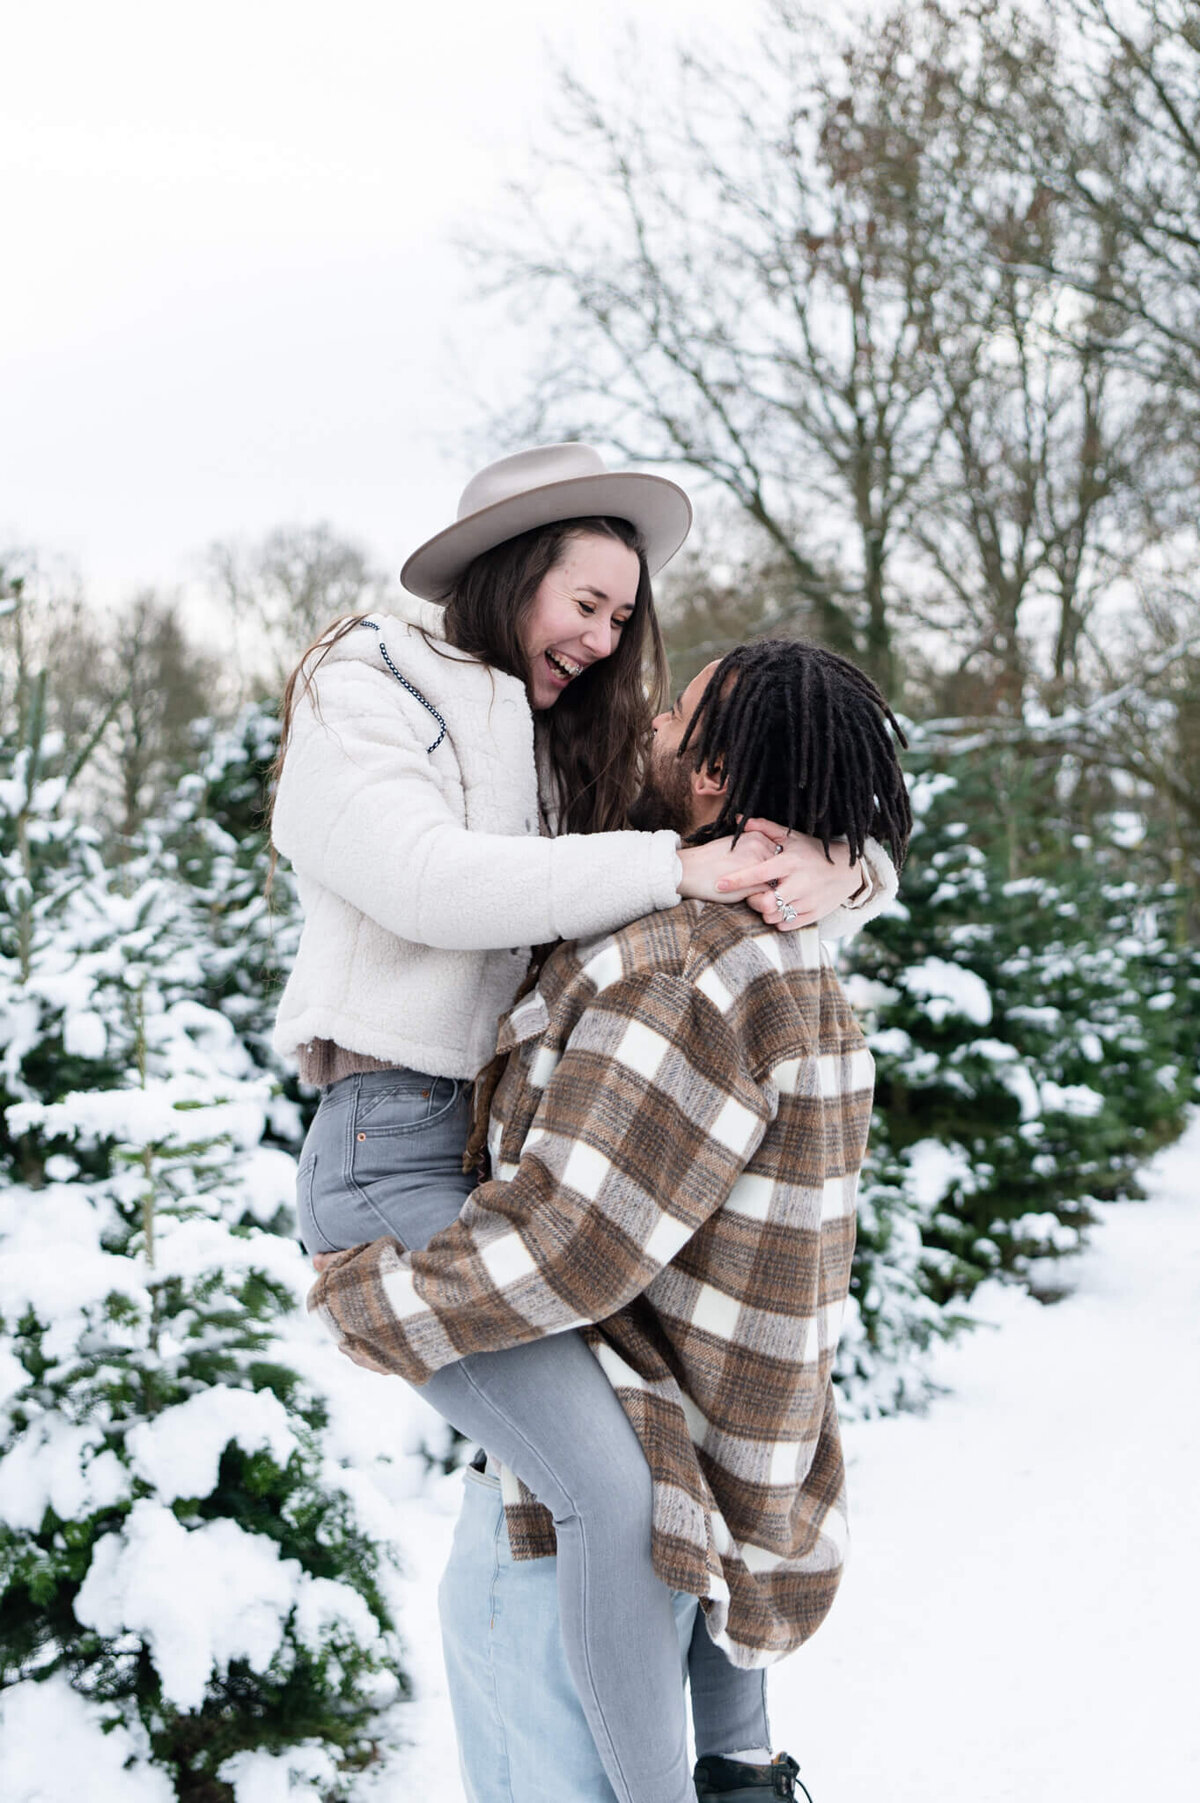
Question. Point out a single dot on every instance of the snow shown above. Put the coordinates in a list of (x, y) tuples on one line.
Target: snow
[(297, 1776), (1047, 1230), (994, 1051), (204, 1596), (1017, 1620), (172, 1112), (53, 1749), (268, 1182), (59, 1466), (934, 1167), (199, 1598), (85, 1035), (1019, 1079), (947, 990), (1072, 1098), (179, 1452), (190, 1248), (925, 788), (53, 1263)]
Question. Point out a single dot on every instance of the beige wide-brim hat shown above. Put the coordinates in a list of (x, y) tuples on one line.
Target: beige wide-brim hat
[(536, 488)]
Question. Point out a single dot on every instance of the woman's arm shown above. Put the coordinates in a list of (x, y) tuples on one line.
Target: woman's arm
[(361, 810)]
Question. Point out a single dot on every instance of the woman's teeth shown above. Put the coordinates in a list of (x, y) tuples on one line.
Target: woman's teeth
[(562, 666)]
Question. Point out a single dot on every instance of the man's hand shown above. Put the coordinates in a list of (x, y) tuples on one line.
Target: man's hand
[(351, 1348)]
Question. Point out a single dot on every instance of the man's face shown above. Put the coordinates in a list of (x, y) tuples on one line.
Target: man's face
[(668, 798)]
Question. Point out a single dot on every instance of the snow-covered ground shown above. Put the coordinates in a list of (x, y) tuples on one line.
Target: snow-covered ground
[(1019, 1618)]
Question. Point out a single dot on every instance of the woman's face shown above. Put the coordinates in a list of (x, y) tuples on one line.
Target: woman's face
[(577, 614)]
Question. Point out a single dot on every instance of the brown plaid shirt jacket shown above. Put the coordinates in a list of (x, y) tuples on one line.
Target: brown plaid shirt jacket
[(675, 1145)]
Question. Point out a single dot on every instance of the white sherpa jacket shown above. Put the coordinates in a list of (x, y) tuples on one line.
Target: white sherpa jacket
[(422, 873), (408, 808)]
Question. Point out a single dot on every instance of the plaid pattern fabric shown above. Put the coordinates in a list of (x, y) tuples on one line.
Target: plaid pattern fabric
[(675, 1149)]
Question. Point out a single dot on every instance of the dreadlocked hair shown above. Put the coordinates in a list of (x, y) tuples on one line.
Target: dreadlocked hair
[(801, 737)]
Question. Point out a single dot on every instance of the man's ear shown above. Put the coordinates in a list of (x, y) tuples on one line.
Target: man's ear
[(706, 784)]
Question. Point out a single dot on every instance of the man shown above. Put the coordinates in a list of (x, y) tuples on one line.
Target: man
[(675, 1142)]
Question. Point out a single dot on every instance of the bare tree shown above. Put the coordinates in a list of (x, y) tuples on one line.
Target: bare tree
[(1107, 114), (166, 685), (835, 284), (723, 590), (125, 692), (281, 593), (752, 291), (1053, 478)]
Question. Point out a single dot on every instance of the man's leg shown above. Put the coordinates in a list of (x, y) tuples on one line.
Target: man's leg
[(522, 1734)]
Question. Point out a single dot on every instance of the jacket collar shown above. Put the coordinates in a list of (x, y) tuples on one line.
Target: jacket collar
[(427, 616)]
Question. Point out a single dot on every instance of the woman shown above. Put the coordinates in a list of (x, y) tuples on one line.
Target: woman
[(426, 762)]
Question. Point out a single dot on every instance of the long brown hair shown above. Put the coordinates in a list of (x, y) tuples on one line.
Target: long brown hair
[(598, 731)]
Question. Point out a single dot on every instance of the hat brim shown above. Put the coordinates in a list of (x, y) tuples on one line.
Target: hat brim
[(657, 507)]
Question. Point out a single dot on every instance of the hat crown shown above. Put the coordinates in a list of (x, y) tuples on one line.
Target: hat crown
[(528, 470)]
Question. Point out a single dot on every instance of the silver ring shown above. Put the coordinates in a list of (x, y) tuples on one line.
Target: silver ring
[(786, 910)]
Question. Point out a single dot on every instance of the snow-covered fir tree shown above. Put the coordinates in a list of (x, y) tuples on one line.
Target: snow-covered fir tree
[(1034, 1040), (196, 1562), (215, 840)]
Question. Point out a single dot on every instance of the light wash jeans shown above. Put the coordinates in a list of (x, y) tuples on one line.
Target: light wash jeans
[(522, 1733), (383, 1156)]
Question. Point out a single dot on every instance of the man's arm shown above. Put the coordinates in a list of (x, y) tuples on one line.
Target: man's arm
[(645, 1123)]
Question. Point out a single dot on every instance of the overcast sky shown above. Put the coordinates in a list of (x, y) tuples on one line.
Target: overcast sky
[(231, 298)]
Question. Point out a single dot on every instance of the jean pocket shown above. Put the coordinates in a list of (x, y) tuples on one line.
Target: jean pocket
[(404, 1106)]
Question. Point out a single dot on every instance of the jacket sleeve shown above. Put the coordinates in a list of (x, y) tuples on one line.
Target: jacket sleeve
[(362, 810), (883, 885), (647, 1120)]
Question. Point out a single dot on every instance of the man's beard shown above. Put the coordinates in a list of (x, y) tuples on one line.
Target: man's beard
[(666, 798)]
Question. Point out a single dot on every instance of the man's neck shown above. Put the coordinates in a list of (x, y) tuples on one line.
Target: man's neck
[(699, 826)]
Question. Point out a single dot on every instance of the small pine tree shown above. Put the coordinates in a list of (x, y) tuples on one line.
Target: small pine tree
[(179, 1544), (215, 839), (1029, 1051)]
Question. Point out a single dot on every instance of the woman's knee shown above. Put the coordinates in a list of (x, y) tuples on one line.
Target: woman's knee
[(615, 1497)]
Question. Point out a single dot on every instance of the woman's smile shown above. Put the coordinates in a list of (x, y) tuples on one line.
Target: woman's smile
[(562, 666), (577, 614)]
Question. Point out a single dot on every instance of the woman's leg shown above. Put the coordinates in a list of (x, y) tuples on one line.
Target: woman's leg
[(729, 1705), (384, 1156), (547, 1411)]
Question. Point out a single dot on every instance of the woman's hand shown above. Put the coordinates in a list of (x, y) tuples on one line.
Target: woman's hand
[(723, 871), (801, 876), (794, 871)]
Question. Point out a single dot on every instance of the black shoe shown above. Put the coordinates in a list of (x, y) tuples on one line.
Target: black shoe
[(720, 1780)]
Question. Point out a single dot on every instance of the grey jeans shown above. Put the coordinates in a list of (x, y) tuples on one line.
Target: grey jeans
[(384, 1156)]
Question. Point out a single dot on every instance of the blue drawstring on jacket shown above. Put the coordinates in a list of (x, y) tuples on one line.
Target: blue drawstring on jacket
[(412, 689)]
